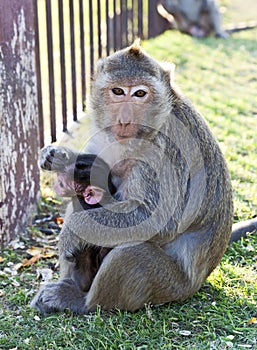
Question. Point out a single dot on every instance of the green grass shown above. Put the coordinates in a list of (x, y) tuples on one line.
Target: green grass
[(215, 318), (220, 77)]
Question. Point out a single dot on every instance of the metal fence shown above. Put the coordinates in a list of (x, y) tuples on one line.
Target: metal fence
[(71, 35)]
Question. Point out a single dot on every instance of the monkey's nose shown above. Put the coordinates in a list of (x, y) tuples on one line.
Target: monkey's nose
[(123, 125)]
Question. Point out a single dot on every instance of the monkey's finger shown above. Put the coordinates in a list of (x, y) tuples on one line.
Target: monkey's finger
[(53, 158)]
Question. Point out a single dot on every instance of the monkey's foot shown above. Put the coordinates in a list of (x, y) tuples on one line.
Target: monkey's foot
[(196, 31), (223, 34), (60, 296)]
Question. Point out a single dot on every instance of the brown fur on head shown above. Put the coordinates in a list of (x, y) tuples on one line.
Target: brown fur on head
[(135, 49), (127, 68), (129, 62)]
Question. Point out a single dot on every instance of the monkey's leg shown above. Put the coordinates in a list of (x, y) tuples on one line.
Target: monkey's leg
[(76, 278), (215, 18), (131, 276), (70, 291), (87, 263)]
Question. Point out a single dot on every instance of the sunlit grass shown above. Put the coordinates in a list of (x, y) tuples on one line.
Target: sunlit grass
[(220, 77)]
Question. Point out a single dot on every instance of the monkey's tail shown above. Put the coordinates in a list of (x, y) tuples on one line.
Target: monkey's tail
[(233, 28), (240, 229)]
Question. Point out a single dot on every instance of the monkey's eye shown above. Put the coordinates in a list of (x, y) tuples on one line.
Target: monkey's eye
[(118, 91), (61, 184), (140, 93)]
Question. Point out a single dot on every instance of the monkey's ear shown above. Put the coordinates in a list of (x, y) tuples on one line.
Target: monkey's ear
[(93, 195), (169, 68)]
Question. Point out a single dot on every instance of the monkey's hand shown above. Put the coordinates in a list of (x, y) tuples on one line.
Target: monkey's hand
[(56, 158), (59, 296)]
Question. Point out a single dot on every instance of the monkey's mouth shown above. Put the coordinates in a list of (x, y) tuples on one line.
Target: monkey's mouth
[(121, 138), (123, 134)]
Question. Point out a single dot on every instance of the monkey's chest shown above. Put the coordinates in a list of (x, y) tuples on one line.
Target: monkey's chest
[(123, 168)]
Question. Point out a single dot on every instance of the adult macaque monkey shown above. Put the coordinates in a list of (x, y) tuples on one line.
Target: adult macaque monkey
[(173, 220), (198, 18)]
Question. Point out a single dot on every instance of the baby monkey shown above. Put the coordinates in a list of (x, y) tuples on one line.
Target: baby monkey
[(75, 180), (88, 189)]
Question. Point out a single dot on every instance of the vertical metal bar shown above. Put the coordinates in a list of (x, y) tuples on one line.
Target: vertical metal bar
[(51, 69), (82, 54), (133, 20), (121, 25), (91, 38), (151, 19), (38, 73), (114, 25), (140, 20), (62, 63), (107, 28), (99, 28), (125, 18), (73, 62)]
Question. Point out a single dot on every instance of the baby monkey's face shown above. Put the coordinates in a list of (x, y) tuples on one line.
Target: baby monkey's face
[(67, 186)]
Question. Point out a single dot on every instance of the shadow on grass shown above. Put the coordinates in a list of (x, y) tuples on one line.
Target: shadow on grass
[(233, 43)]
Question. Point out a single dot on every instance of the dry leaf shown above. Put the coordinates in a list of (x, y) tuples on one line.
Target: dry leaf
[(15, 283), (230, 337), (44, 252), (245, 346), (1, 259), (59, 221), (34, 251), (48, 253), (229, 344), (9, 271), (31, 261), (185, 333), (16, 244), (252, 320), (36, 254), (17, 266)]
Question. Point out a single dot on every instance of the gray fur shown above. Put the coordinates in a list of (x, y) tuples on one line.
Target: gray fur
[(201, 15), (173, 224)]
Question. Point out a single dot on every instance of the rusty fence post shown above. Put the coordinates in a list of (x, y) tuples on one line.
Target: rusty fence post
[(19, 131)]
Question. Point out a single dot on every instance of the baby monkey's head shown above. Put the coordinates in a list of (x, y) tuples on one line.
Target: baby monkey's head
[(88, 178)]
